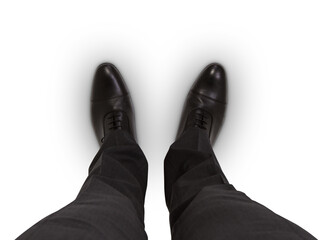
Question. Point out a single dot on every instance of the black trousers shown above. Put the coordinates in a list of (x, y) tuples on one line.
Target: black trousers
[(201, 202)]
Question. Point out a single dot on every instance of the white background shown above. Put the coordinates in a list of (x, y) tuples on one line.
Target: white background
[(276, 141)]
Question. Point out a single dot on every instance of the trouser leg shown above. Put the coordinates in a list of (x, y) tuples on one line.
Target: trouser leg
[(110, 204), (203, 205)]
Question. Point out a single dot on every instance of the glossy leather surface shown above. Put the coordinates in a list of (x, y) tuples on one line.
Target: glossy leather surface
[(111, 104), (206, 102)]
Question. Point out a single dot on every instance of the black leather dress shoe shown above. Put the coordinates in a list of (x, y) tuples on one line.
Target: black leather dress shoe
[(206, 102), (111, 105)]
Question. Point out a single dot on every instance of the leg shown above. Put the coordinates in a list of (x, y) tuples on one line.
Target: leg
[(201, 202), (110, 203), (203, 205)]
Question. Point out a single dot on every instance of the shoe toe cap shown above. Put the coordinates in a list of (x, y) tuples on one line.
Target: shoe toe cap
[(108, 83), (212, 83)]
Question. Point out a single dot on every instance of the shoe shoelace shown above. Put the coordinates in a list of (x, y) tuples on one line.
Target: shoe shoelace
[(114, 120), (200, 119)]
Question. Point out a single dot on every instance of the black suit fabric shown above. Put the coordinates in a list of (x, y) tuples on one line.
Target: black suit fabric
[(201, 202)]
